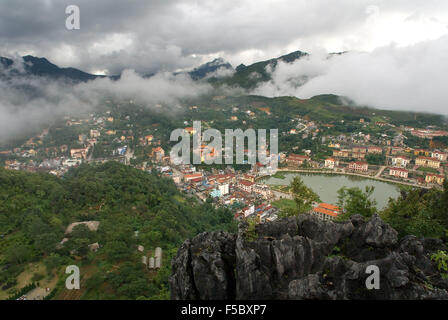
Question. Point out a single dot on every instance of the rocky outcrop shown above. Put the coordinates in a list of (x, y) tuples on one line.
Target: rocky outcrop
[(306, 258)]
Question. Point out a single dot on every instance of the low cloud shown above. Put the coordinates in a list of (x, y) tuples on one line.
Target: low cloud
[(221, 72), (391, 77), (30, 102)]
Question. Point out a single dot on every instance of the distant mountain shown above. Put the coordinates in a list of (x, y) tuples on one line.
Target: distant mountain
[(42, 67), (249, 77), (210, 68), (217, 71)]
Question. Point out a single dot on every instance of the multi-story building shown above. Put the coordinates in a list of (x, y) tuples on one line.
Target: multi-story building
[(358, 149), (434, 178), (223, 189), (326, 211), (343, 153), (375, 150), (246, 185), (399, 172), (158, 153), (296, 159), (79, 153), (401, 162), (262, 190), (331, 163), (441, 156), (428, 162), (193, 176), (359, 166)]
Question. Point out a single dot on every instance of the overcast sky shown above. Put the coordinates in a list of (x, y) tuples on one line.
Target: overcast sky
[(397, 50), (154, 35)]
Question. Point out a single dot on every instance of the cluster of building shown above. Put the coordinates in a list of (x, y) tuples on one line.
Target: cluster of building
[(36, 155), (428, 133), (229, 188), (240, 191)]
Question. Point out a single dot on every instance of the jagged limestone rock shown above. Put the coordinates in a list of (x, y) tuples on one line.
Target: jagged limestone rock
[(306, 258)]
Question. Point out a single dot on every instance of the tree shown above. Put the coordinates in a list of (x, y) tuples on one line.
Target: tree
[(79, 245), (46, 242), (303, 197), (131, 281), (81, 231), (117, 250), (19, 254), (54, 260), (417, 212), (355, 201)]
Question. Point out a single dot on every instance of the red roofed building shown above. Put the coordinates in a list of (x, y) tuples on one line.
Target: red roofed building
[(296, 159), (246, 185), (330, 163), (441, 156), (189, 177), (374, 149), (359, 166), (434, 178), (326, 211), (249, 177), (398, 172), (196, 180), (428, 162)]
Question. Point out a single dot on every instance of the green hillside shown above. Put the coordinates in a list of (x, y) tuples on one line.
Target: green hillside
[(249, 76), (35, 210)]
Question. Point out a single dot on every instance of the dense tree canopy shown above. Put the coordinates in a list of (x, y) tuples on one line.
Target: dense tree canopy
[(133, 207)]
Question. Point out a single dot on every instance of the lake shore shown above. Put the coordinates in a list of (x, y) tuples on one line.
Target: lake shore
[(331, 172)]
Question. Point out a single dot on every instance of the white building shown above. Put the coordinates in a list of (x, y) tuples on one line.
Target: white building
[(330, 163), (71, 162), (400, 162), (442, 156), (223, 188)]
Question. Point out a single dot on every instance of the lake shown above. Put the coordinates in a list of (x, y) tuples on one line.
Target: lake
[(327, 186)]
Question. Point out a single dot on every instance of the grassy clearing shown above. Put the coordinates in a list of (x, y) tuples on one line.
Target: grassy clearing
[(26, 277), (279, 175), (284, 204), (428, 170)]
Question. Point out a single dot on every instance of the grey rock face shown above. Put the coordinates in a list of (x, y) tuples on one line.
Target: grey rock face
[(306, 258)]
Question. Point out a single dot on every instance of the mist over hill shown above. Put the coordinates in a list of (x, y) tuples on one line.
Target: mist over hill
[(34, 91)]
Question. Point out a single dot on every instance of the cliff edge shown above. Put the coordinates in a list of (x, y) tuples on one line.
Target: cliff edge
[(306, 258)]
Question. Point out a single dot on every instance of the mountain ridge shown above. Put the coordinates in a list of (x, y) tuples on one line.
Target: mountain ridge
[(41, 66)]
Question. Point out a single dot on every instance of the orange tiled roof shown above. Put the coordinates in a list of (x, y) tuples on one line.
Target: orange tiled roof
[(246, 183), (325, 211), (329, 206)]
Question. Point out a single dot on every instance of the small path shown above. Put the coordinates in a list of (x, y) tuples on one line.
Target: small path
[(380, 171)]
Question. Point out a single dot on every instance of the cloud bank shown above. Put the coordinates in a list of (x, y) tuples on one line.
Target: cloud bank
[(390, 77), (166, 35), (29, 102)]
